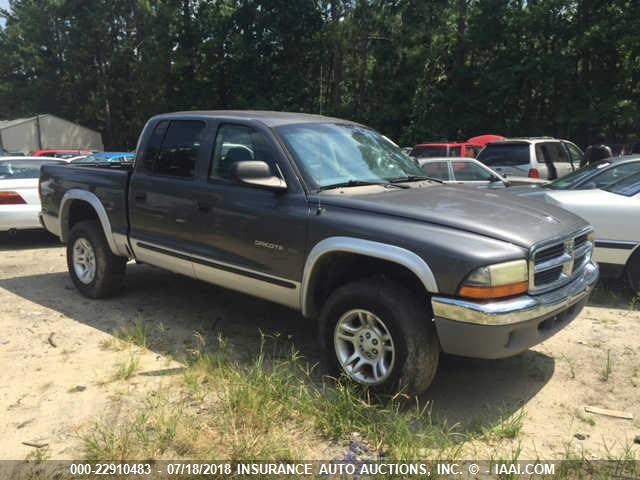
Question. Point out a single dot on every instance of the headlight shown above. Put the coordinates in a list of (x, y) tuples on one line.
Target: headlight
[(496, 281)]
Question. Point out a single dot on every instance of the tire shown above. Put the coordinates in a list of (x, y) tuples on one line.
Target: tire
[(372, 306), (95, 270), (633, 272)]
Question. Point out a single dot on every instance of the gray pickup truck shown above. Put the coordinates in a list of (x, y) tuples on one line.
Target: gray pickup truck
[(330, 218)]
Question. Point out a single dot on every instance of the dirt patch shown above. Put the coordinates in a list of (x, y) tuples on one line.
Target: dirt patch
[(63, 366)]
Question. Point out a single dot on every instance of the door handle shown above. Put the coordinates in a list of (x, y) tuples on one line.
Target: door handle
[(140, 196)]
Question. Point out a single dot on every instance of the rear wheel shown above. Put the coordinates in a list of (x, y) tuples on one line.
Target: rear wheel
[(633, 272), (95, 270), (378, 334)]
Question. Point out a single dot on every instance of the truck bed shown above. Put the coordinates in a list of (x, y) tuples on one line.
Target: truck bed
[(108, 182)]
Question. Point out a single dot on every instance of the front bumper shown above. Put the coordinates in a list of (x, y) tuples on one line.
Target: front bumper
[(503, 328)]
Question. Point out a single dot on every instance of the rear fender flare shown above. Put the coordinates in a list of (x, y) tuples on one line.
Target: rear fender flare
[(103, 218)]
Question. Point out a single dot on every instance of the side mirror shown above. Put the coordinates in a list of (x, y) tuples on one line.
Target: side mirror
[(256, 173)]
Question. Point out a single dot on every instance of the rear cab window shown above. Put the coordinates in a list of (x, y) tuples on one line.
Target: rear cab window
[(505, 154)]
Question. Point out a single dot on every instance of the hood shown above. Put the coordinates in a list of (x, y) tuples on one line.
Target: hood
[(492, 213)]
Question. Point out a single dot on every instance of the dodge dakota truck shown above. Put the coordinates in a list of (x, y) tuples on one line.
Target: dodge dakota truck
[(328, 217)]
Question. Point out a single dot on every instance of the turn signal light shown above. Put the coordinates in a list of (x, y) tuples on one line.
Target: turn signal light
[(494, 292), (11, 198), (533, 173)]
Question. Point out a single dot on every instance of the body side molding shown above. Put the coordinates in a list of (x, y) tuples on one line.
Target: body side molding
[(367, 248)]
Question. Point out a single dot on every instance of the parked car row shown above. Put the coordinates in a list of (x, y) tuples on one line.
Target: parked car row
[(329, 217)]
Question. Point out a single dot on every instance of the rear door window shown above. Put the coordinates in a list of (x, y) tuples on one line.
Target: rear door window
[(505, 154), (173, 148), (438, 170), (575, 154), (469, 172)]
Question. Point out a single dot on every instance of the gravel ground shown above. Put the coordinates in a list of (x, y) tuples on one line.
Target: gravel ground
[(54, 380)]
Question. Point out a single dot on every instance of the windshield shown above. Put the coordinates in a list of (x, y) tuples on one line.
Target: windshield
[(21, 169), (574, 178), (333, 154), (628, 186)]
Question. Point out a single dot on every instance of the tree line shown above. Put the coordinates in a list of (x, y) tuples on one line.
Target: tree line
[(413, 69)]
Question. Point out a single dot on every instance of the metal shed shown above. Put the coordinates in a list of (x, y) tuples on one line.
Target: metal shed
[(45, 132)]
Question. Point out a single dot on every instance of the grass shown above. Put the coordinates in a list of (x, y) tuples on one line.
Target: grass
[(126, 369), (571, 363), (508, 427), (608, 368), (272, 409)]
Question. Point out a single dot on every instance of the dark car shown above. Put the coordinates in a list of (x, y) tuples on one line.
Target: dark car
[(328, 217), (594, 175)]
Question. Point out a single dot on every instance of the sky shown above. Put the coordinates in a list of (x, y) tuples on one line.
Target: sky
[(3, 4)]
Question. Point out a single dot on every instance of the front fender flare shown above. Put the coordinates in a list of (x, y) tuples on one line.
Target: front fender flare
[(383, 251)]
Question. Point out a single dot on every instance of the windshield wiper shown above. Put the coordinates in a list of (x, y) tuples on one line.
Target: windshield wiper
[(350, 183), (414, 178)]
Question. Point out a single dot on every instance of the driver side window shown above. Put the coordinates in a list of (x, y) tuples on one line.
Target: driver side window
[(238, 143)]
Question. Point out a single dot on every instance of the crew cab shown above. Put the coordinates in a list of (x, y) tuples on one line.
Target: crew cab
[(330, 218)]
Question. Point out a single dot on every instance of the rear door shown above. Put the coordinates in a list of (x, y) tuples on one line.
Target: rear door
[(560, 158), (437, 169), (575, 154), (161, 194), (469, 173)]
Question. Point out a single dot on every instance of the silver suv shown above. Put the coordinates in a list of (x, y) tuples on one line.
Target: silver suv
[(540, 157)]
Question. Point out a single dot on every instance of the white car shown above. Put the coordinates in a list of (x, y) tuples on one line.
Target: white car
[(470, 172), (614, 211), (19, 199)]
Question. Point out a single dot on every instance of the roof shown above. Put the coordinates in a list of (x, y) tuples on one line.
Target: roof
[(12, 123), (269, 118)]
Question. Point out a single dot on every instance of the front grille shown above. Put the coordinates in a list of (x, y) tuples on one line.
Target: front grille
[(555, 263), (548, 276)]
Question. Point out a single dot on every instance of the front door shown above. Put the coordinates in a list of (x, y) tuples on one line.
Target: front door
[(249, 238)]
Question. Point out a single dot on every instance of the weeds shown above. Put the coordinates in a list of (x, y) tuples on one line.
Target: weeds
[(572, 371), (270, 409), (608, 368), (508, 427), (136, 333), (126, 369)]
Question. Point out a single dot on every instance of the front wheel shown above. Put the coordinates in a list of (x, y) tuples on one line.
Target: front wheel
[(95, 270), (381, 336)]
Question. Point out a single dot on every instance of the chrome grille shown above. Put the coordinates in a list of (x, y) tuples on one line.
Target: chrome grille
[(556, 262)]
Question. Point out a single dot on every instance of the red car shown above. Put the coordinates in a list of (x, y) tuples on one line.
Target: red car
[(61, 153), (444, 149), (470, 148)]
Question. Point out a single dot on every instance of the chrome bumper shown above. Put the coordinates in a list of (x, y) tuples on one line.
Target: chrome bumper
[(518, 309)]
